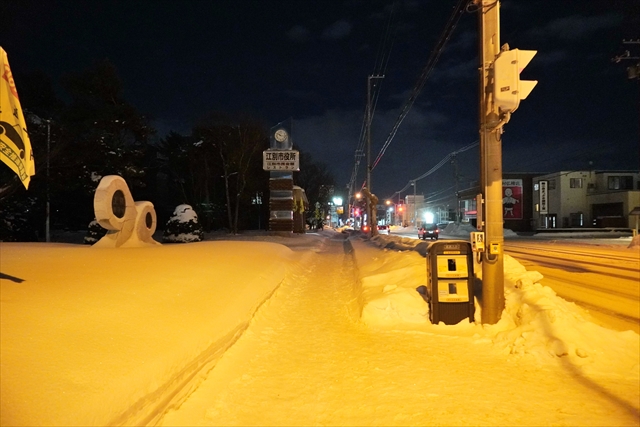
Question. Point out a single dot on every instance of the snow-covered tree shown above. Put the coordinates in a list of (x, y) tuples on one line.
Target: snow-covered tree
[(102, 134), (95, 232), (183, 226)]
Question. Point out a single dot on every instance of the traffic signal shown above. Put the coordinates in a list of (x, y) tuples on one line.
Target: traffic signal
[(508, 89)]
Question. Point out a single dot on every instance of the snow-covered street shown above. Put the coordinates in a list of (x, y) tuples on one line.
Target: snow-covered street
[(329, 331)]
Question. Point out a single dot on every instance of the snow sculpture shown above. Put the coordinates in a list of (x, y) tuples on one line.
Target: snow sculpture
[(128, 223)]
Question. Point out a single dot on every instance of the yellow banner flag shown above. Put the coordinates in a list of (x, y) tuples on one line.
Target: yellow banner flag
[(15, 146)]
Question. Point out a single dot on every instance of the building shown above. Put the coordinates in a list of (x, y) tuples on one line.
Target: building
[(413, 206), (569, 199), (517, 209)]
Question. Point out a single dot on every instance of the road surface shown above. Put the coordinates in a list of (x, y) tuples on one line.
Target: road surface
[(603, 279)]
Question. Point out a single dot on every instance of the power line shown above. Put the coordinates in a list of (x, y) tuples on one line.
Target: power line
[(380, 67), (441, 163), (433, 59)]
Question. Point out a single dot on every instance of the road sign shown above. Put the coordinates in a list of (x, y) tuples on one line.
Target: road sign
[(281, 160), (544, 197)]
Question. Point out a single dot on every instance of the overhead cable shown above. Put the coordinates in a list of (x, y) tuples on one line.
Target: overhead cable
[(433, 59), (441, 163), (380, 67)]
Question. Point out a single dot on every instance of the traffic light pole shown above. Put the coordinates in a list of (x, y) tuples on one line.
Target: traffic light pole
[(490, 166)]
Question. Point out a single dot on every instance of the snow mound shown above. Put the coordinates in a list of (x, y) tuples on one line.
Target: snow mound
[(535, 323), (391, 298)]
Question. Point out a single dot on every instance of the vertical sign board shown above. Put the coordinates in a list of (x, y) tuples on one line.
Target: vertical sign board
[(544, 197), (281, 161), (511, 199)]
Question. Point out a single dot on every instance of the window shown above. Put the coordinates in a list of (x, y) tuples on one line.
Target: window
[(575, 182), (552, 184), (620, 183)]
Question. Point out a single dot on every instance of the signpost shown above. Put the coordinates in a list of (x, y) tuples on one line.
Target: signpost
[(281, 160)]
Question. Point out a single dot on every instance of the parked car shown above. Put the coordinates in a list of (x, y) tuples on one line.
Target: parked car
[(428, 230), (384, 229)]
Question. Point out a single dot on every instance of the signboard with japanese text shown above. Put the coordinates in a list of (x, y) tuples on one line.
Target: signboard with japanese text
[(544, 197), (281, 160), (15, 145), (511, 199)]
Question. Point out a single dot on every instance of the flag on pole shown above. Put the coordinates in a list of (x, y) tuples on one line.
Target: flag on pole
[(15, 146)]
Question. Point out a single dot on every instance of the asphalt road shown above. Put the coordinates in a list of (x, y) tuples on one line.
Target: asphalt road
[(604, 279)]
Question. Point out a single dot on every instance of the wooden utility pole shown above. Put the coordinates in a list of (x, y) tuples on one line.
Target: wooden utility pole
[(490, 165), (371, 208)]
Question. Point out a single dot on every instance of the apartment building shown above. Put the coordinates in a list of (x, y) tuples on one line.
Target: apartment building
[(569, 199)]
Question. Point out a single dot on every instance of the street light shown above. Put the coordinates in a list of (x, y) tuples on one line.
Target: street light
[(337, 202)]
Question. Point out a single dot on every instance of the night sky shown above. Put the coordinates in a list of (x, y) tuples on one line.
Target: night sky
[(310, 60)]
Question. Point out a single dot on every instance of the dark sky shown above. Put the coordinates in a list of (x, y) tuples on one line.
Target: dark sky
[(309, 60)]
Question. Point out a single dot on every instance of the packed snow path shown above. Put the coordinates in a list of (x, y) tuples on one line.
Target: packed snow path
[(306, 360)]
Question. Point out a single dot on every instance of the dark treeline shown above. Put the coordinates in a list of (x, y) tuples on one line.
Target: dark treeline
[(94, 132)]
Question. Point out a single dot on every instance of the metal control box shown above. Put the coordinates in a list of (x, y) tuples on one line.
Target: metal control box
[(450, 281)]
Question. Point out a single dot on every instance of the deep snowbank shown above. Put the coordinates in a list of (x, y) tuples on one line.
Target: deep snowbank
[(108, 336), (535, 322)]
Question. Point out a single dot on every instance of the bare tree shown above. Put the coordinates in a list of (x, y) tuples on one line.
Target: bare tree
[(238, 142)]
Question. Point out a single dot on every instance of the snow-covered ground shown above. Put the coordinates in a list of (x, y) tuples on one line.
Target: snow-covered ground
[(95, 336)]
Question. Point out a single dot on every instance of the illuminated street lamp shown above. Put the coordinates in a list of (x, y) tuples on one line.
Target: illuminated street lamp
[(337, 204), (400, 211)]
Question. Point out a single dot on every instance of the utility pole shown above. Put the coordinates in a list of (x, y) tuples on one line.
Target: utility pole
[(47, 231), (501, 91), (415, 207), (456, 177), (371, 210), (491, 166)]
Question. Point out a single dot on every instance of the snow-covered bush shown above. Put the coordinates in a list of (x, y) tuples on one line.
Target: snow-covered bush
[(183, 226), (95, 232)]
